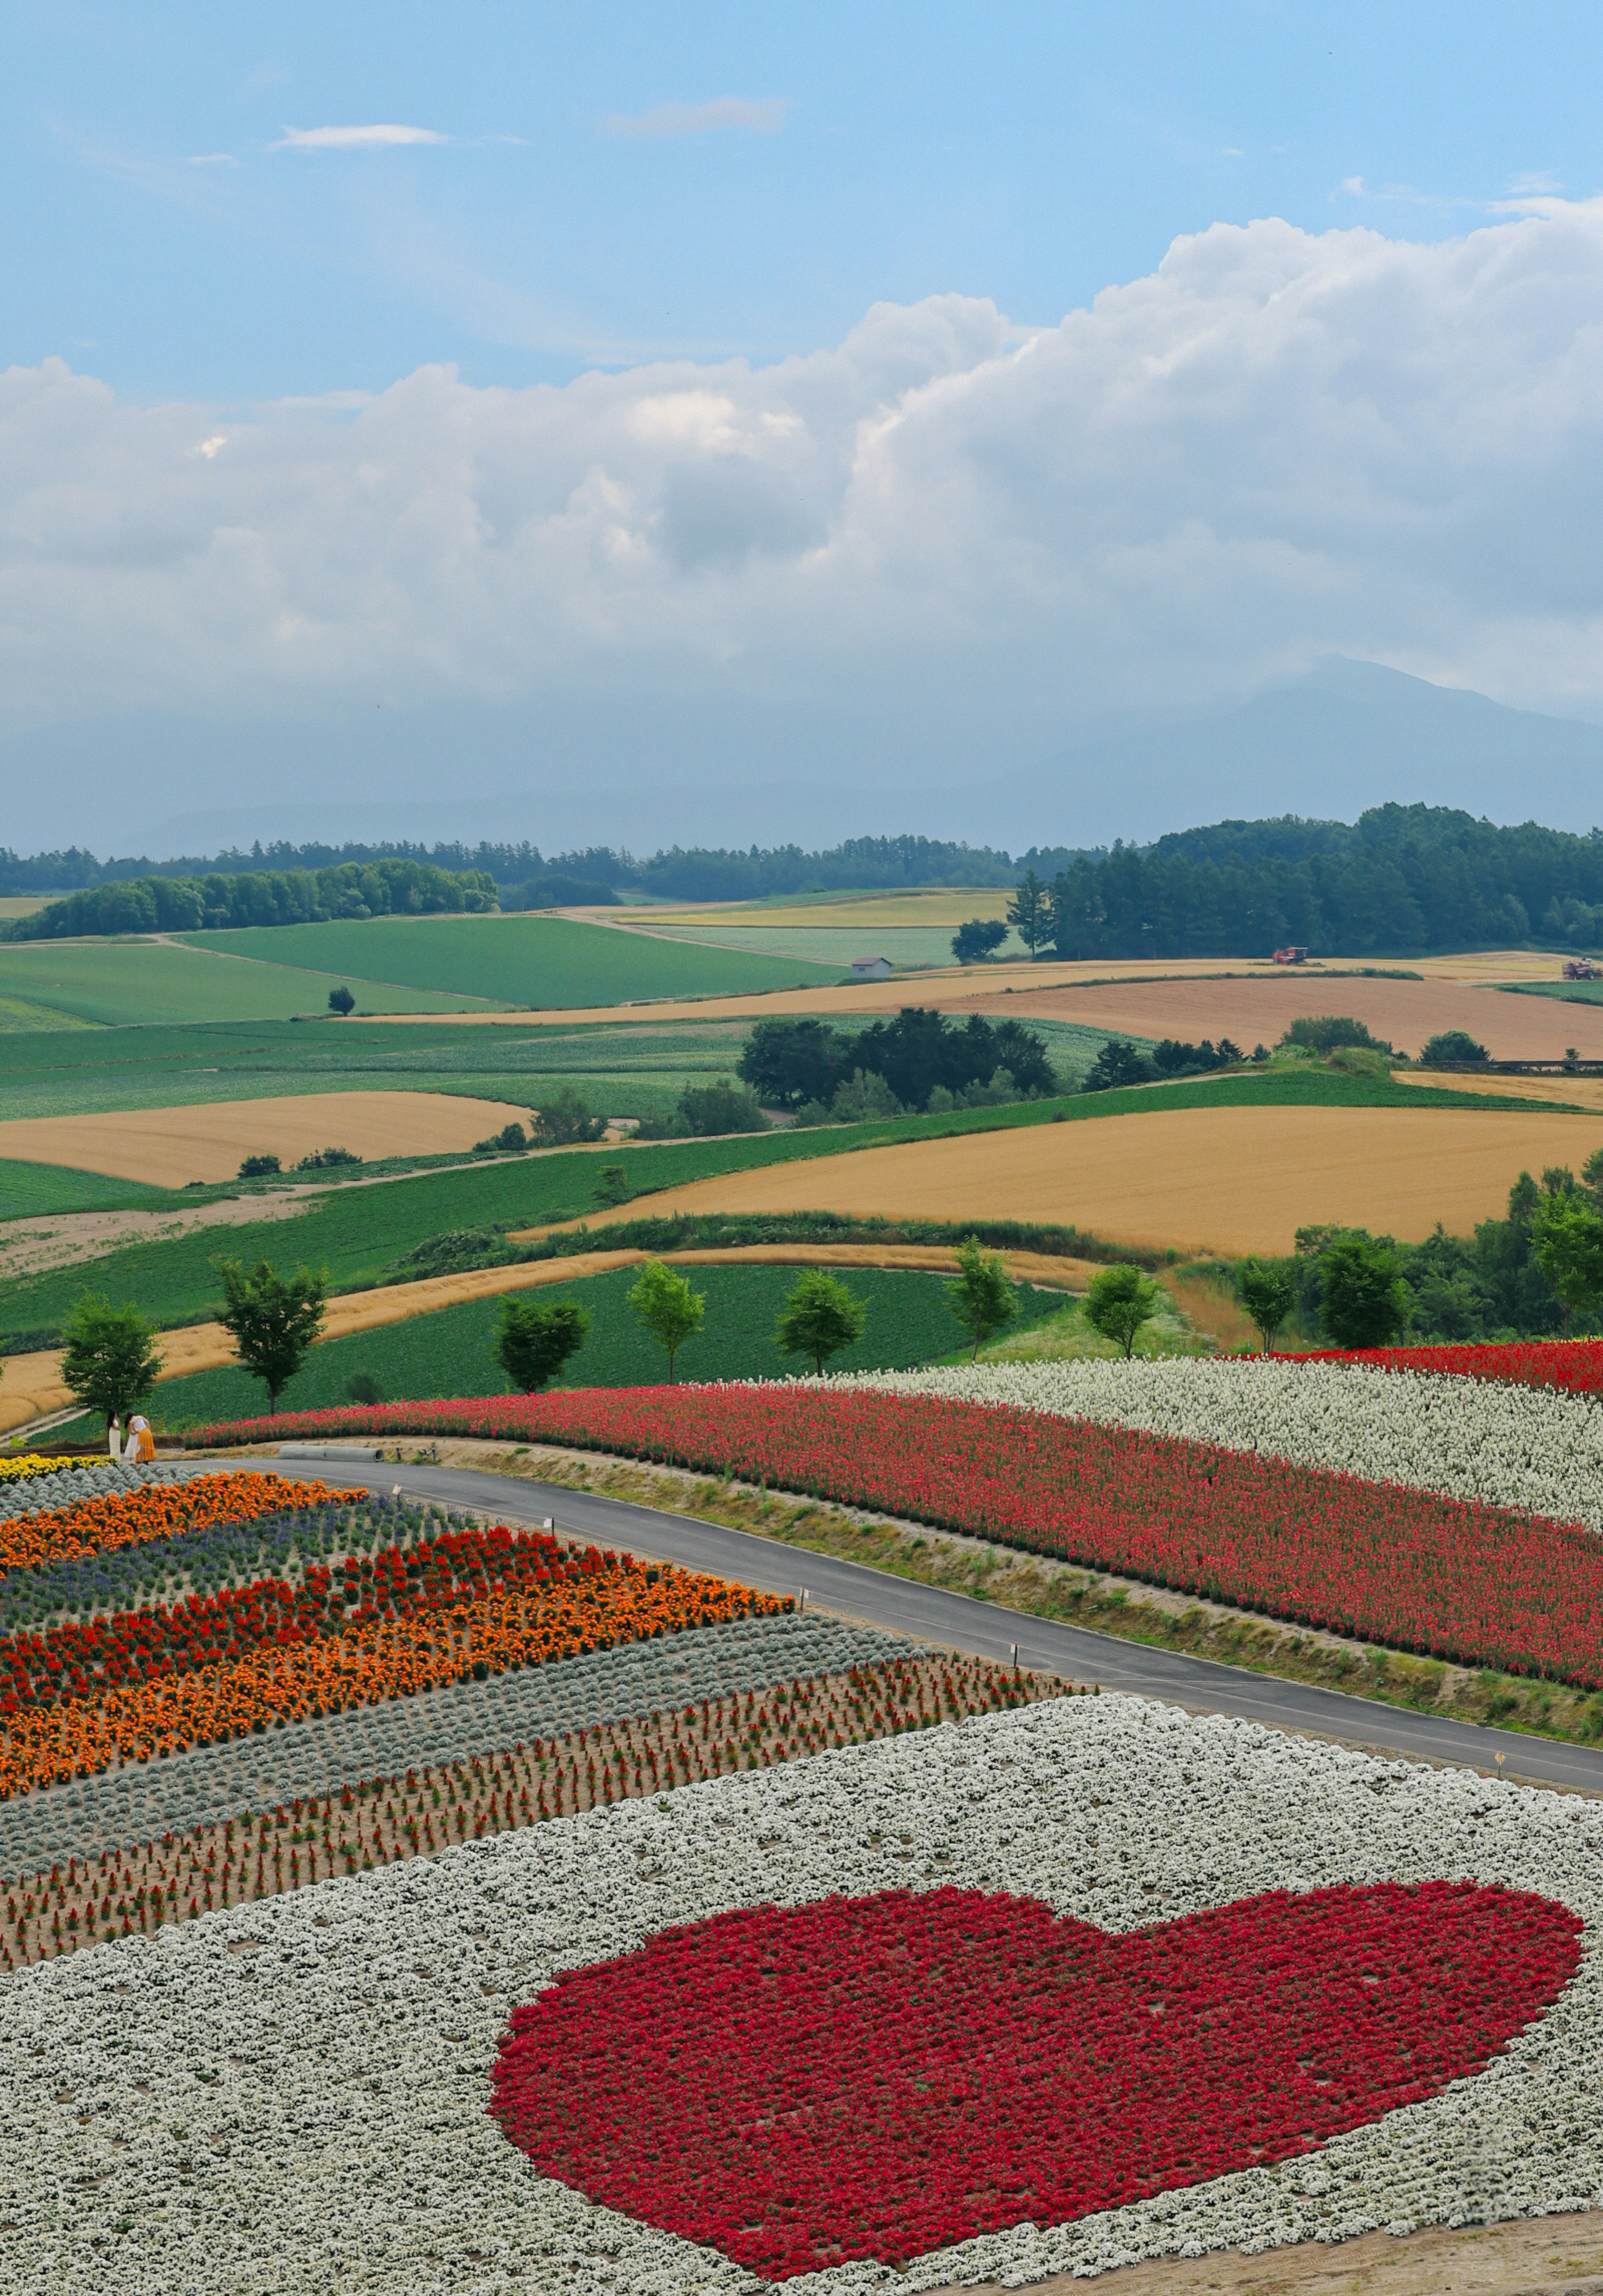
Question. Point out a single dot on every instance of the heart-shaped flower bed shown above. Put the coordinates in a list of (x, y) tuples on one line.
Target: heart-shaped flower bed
[(877, 2077)]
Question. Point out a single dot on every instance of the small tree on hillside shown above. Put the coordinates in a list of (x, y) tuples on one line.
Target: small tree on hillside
[(1119, 1302), (1117, 1065), (981, 1296), (975, 941), (342, 1001), (666, 1304), (535, 1338), (1267, 1290), (112, 1360), (275, 1320), (1450, 1048), (1364, 1299), (1567, 1244), (820, 1318)]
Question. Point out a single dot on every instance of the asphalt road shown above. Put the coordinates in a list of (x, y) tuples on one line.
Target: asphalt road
[(932, 1614)]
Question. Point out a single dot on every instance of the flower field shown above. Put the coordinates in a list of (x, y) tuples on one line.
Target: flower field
[(1042, 1990), (1478, 1582), (1575, 1365)]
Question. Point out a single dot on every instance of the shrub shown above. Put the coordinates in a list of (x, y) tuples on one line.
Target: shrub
[(259, 1168), (1324, 1032), (1449, 1048)]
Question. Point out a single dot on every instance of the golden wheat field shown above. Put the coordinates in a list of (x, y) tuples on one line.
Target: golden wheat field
[(167, 1146), (1231, 1180)]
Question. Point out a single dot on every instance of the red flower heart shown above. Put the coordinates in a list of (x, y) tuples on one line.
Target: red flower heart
[(877, 2077)]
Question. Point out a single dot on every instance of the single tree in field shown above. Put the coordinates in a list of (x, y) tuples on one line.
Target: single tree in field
[(274, 1318), (1567, 1244), (342, 1001), (979, 1295), (1029, 912), (564, 1120), (972, 942), (666, 1304), (1120, 1301), (535, 1339), (1362, 1296), (1449, 1048), (821, 1317), (111, 1359), (1266, 1289)]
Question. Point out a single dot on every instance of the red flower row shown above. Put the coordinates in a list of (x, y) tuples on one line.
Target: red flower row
[(1444, 1576), (873, 2078), (77, 1660), (1575, 1365)]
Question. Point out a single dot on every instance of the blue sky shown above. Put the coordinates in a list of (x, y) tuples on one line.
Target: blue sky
[(1034, 155), (634, 421)]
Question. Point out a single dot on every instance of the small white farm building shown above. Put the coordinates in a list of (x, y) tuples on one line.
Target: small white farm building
[(871, 968)]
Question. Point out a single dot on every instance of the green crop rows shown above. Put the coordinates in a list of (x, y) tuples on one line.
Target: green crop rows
[(544, 963), (449, 1353), (33, 1191)]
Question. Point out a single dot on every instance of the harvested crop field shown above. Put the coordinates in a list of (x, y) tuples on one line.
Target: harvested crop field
[(1401, 1012), (1567, 1092), (1227, 1179), (166, 1147)]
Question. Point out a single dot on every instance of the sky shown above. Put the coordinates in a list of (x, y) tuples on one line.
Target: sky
[(511, 409)]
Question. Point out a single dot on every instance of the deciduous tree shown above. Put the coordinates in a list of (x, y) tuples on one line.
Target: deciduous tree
[(1121, 1301), (274, 1319), (820, 1318), (666, 1304)]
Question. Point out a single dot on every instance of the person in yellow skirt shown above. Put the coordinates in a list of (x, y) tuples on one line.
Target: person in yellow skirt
[(141, 1443)]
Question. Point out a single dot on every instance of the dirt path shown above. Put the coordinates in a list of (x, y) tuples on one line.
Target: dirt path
[(1542, 2256), (32, 1388)]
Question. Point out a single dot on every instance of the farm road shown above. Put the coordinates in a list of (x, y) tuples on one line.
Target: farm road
[(933, 1614)]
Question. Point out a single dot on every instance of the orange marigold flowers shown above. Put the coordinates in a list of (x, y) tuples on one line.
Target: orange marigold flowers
[(116, 1518)]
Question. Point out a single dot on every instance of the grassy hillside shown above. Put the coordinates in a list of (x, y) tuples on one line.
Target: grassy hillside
[(539, 962), (450, 1353), (360, 1233), (32, 1191), (141, 981)]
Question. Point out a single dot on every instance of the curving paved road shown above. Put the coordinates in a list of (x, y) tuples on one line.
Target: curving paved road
[(933, 1614)]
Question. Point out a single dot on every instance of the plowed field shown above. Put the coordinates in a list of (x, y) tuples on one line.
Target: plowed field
[(1402, 1013), (168, 1146), (1227, 1179)]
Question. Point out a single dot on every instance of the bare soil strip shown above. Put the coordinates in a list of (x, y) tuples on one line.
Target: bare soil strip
[(1540, 2256), (167, 1147), (377, 1821), (1230, 1180), (32, 1387)]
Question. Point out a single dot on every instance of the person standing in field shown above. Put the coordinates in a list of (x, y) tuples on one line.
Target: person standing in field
[(114, 1438), (141, 1443)]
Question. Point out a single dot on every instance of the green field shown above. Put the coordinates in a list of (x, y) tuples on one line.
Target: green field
[(622, 1069), (1560, 992), (904, 944), (32, 1191), (360, 1233), (539, 962), (450, 1353), (141, 981)]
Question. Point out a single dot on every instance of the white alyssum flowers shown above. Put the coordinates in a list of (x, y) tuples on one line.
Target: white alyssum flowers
[(291, 2097), (1515, 1447)]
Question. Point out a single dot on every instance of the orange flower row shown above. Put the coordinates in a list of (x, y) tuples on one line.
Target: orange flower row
[(387, 1659), (115, 1519)]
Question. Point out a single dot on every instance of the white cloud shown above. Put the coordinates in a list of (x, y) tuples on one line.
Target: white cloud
[(1276, 446), (212, 447), (211, 160), (353, 139), (764, 116)]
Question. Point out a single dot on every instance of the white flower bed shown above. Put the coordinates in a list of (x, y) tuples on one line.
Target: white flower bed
[(1517, 1447), (310, 2115)]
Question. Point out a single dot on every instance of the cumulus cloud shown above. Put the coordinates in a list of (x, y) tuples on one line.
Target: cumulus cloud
[(373, 138), (764, 116), (1276, 446)]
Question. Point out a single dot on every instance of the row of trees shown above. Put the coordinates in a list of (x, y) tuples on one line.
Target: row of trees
[(804, 1064), (113, 1358), (142, 905)]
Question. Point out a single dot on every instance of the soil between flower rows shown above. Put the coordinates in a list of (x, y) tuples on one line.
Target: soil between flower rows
[(380, 1821)]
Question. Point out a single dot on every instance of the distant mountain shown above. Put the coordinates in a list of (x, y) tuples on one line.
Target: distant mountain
[(1327, 746)]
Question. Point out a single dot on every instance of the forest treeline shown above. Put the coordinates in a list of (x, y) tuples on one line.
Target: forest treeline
[(263, 897), (1400, 880)]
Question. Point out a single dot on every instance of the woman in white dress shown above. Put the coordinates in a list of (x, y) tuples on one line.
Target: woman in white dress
[(114, 1440)]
